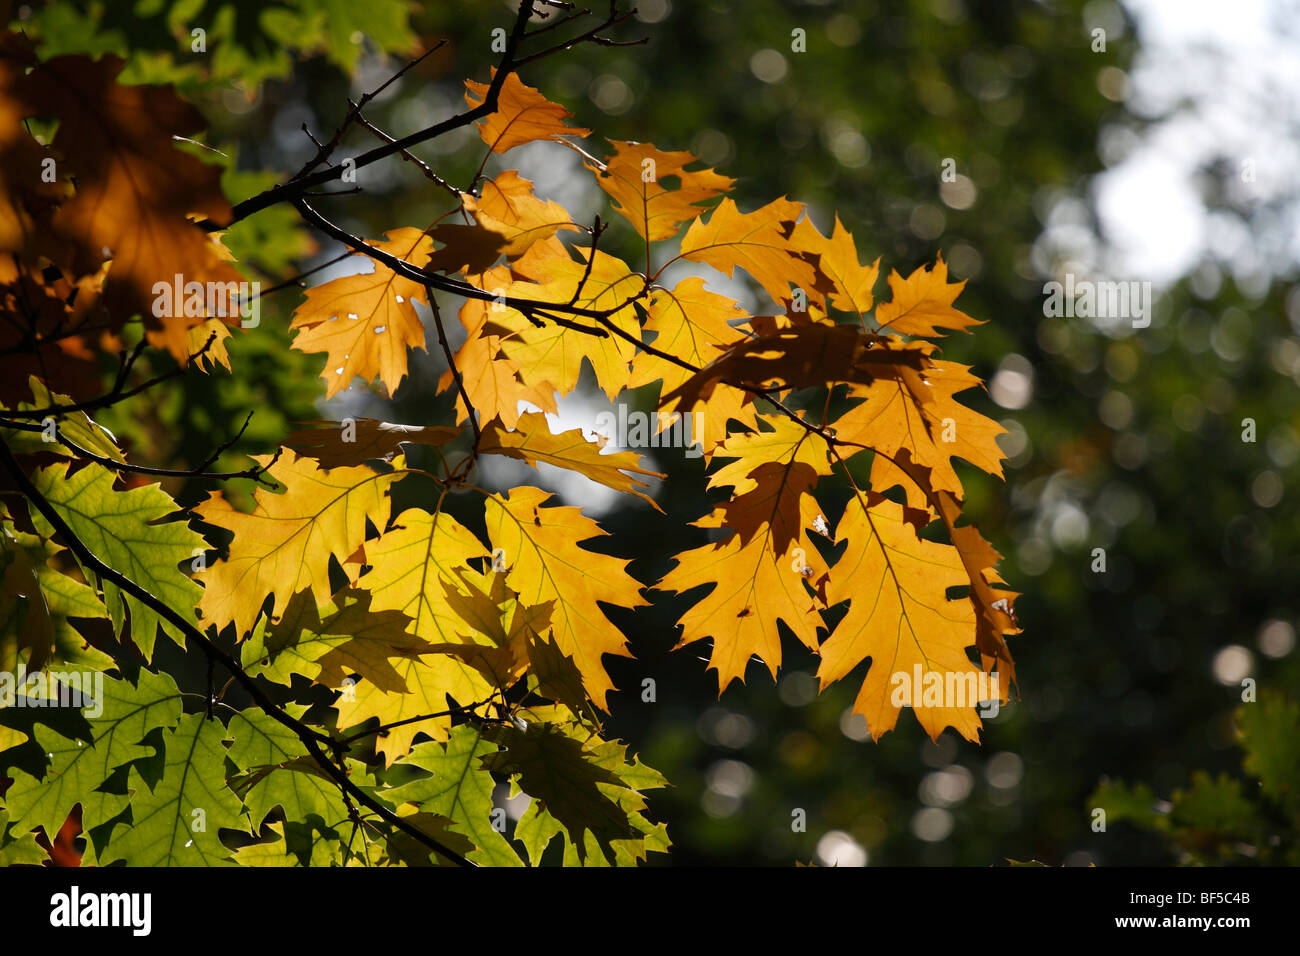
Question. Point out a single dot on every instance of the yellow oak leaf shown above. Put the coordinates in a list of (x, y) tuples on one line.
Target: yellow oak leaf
[(365, 323), (540, 548), (431, 679), (900, 617), (785, 441), (554, 354), (411, 565), (285, 544)]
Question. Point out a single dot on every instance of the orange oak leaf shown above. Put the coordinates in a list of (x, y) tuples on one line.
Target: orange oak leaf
[(692, 323), (509, 218), (922, 303), (753, 588), (552, 353), (917, 411), (760, 570), (523, 115), (759, 243), (491, 378), (365, 323), (900, 617), (135, 190), (531, 441), (27, 201), (779, 505), (633, 178), (852, 281), (540, 548), (285, 543), (782, 440)]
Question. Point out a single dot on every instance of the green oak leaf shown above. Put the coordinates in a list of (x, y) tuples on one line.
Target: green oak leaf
[(59, 598), (1212, 803), (273, 852), (539, 825), (279, 772), (77, 768), (18, 848), (176, 821), (459, 788), (78, 427), (118, 527), (572, 786), (1270, 736), (1122, 802)]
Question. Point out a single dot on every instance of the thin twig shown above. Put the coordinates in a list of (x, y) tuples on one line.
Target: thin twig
[(451, 363), (116, 394)]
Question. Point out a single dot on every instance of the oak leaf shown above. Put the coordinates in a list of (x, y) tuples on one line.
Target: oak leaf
[(633, 178), (838, 259), (531, 441), (693, 324), (285, 544), (135, 189), (553, 354), (523, 115), (922, 303), (757, 242), (916, 410), (509, 218), (365, 323), (491, 379), (813, 355), (125, 530), (540, 549), (900, 617), (458, 787)]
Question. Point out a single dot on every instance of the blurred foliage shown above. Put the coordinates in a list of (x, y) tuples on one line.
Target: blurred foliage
[(1121, 439), (1227, 819)]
